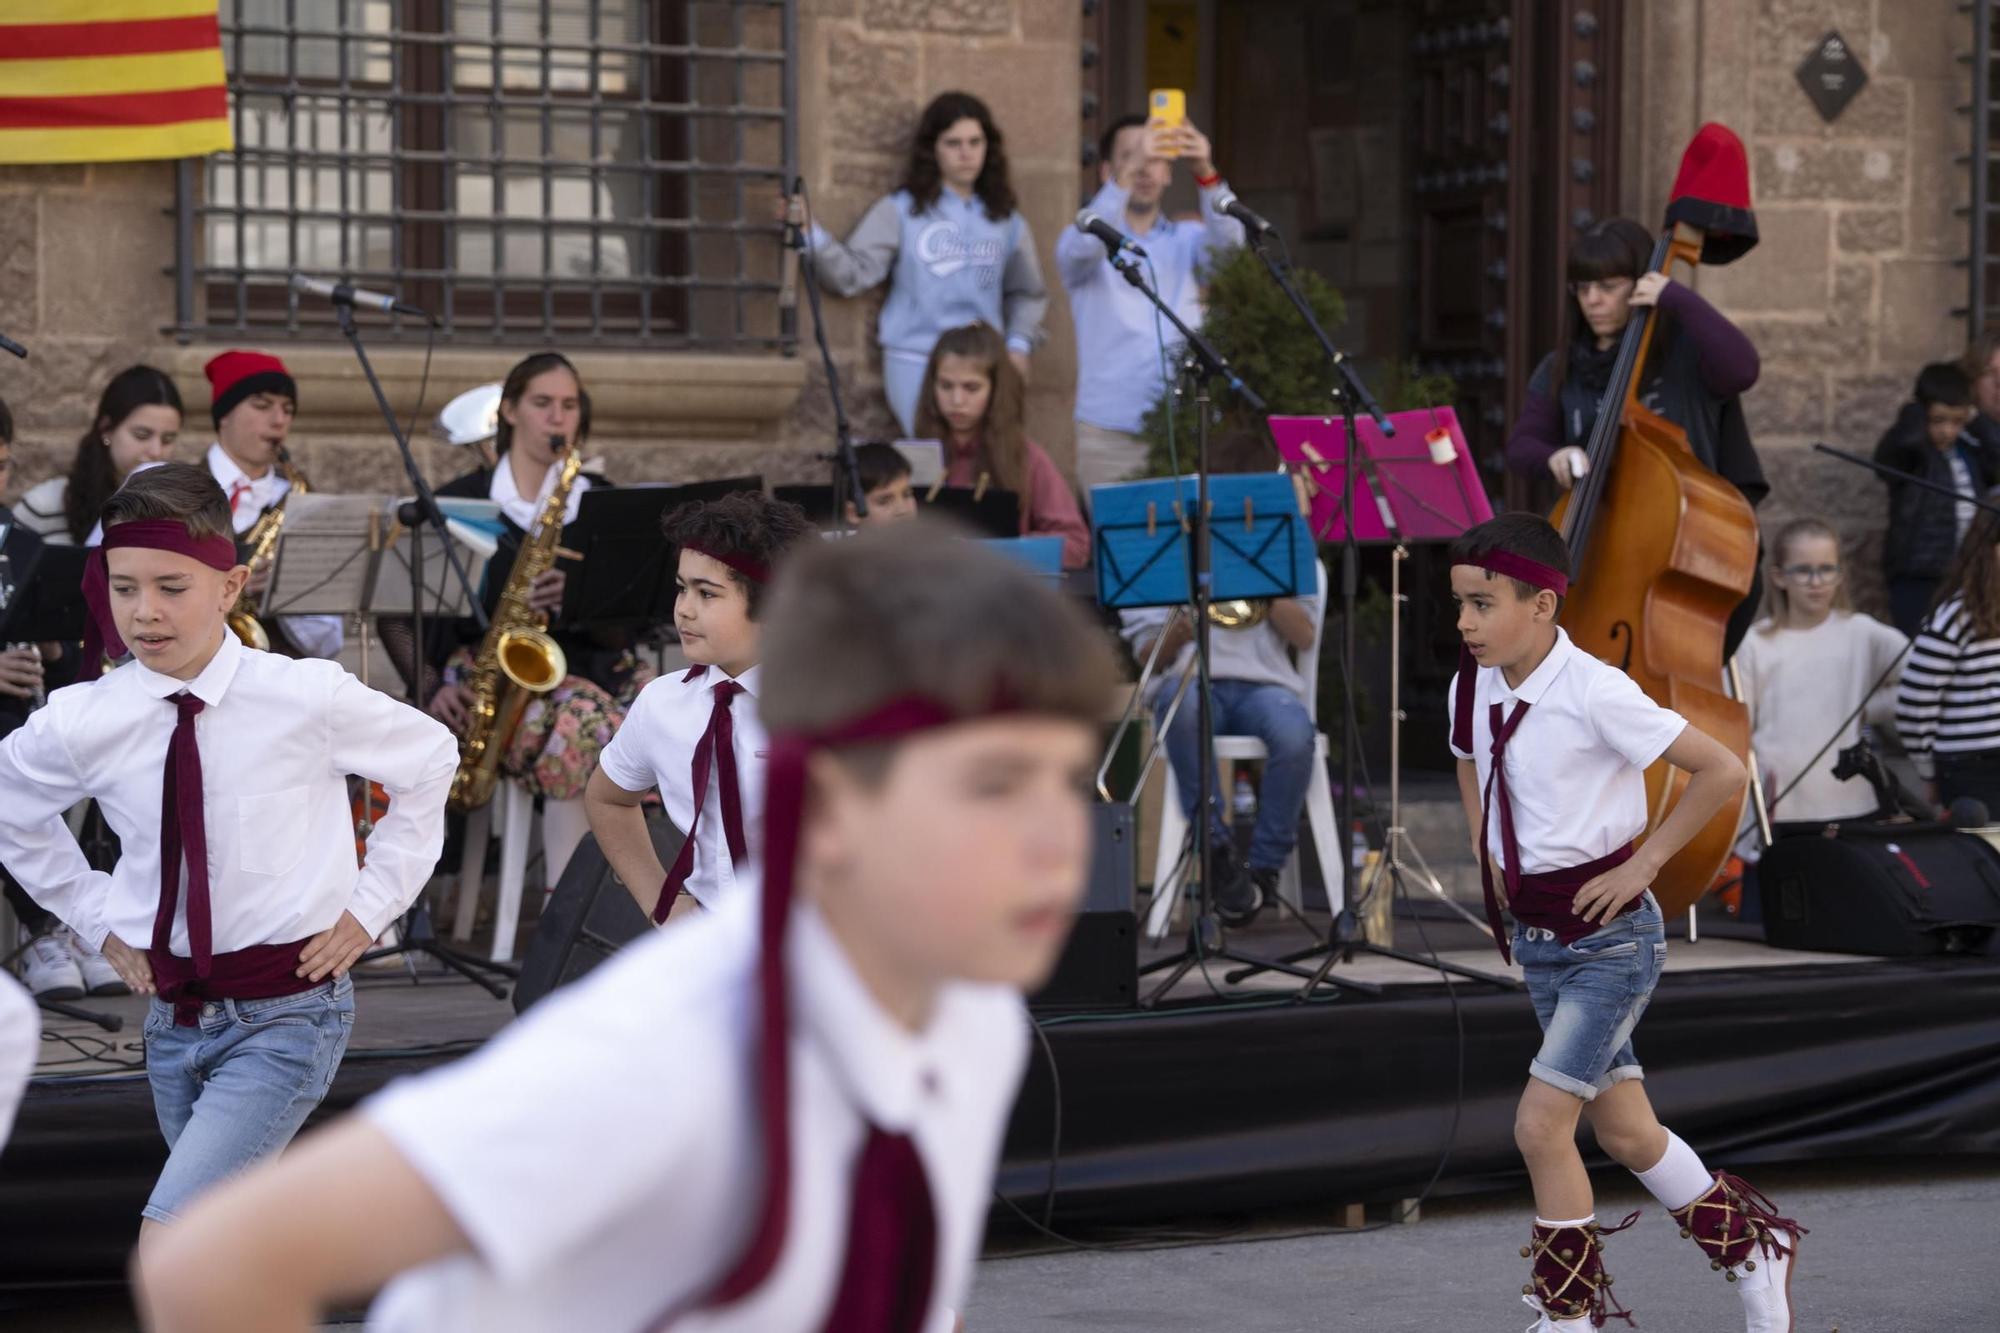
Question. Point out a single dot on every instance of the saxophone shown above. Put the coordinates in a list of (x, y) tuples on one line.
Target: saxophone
[(517, 659), (262, 539)]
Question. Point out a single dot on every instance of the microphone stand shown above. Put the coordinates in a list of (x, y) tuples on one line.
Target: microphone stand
[(417, 934), (1343, 934), (846, 473), (1201, 363)]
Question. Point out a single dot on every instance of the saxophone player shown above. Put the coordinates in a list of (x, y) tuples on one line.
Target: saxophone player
[(253, 401), (544, 415)]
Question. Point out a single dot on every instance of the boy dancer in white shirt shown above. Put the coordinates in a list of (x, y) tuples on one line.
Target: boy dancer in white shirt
[(784, 1116), (236, 900), (686, 734), (1555, 796)]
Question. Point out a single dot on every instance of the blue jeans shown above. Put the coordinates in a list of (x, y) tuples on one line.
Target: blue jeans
[(1588, 997), (1275, 716), (235, 1087)]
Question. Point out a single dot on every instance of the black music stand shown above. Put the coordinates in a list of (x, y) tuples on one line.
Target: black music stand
[(626, 579)]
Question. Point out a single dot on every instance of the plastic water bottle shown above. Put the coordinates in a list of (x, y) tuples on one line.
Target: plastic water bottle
[(1244, 800), (1359, 841)]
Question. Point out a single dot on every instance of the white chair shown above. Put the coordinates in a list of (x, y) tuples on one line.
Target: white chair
[(563, 826), (1169, 888)]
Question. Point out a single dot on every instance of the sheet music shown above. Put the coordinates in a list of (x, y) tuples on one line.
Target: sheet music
[(326, 556), (926, 459), (442, 595)]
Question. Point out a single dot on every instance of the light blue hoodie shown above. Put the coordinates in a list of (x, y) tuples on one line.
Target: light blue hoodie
[(948, 266)]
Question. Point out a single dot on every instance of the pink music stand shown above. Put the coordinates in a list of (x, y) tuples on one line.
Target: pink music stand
[(1426, 501)]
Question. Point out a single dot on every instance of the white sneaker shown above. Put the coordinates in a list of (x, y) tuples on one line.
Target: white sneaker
[(99, 977), (51, 973), (1767, 1289)]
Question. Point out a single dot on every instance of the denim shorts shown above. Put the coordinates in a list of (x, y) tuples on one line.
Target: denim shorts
[(236, 1086), (1588, 997)]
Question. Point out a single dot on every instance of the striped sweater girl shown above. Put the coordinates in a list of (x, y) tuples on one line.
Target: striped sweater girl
[(1949, 701)]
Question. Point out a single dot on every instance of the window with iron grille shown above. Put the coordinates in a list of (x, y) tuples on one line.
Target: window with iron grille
[(573, 172)]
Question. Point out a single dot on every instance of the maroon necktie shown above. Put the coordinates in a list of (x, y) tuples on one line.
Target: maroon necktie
[(717, 748), (885, 1281), (1496, 794), (184, 838)]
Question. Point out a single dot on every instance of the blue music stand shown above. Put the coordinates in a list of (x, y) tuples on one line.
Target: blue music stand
[(1259, 544), (1042, 556)]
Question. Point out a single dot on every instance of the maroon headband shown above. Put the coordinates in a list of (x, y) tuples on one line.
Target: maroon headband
[(1507, 565), (100, 632), (1522, 568), (784, 805), (754, 570)]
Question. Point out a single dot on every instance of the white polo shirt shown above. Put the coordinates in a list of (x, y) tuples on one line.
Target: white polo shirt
[(602, 1154), (1576, 766), (654, 747)]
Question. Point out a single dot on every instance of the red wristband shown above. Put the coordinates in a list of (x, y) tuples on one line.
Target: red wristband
[(1208, 182)]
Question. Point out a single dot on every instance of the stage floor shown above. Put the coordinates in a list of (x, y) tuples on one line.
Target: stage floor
[(1223, 1099)]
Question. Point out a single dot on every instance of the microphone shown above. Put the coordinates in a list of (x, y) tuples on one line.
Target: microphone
[(788, 263), (1228, 204), (9, 345), (342, 294), (1968, 812), (1114, 239)]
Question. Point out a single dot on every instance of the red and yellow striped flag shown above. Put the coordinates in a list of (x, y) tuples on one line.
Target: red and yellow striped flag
[(110, 80)]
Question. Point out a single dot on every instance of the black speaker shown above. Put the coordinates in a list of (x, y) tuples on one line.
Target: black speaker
[(588, 918), (1099, 968), (1892, 890)]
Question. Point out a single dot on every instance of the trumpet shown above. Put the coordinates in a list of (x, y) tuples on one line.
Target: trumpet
[(1239, 613)]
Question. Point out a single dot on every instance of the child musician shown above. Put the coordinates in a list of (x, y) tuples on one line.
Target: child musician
[(884, 474), (254, 399), (850, 1053), (684, 734), (236, 900), (1552, 747)]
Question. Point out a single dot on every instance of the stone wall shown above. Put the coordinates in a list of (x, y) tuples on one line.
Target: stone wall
[(868, 67), (1854, 283), (87, 254)]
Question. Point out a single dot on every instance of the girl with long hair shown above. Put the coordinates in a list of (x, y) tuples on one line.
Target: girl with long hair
[(973, 400), (544, 413), (1948, 704), (953, 245), (1809, 663), (138, 421)]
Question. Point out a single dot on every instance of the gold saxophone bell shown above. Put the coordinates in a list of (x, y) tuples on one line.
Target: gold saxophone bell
[(1239, 613)]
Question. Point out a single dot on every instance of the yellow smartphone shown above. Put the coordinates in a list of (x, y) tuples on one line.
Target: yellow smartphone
[(1167, 109)]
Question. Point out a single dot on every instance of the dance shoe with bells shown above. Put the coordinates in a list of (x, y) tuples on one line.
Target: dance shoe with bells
[(1745, 1240), (1569, 1282)]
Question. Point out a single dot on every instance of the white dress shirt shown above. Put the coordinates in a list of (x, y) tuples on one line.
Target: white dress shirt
[(278, 737), (654, 747), (20, 1042), (249, 497), (1576, 766), (603, 1157), (523, 510)]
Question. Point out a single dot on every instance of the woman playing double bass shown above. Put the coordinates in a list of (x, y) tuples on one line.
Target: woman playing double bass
[(1698, 366)]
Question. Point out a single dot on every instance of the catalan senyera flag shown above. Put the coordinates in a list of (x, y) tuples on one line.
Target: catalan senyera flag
[(110, 80)]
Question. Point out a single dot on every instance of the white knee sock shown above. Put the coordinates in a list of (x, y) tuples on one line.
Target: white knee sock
[(1678, 1178)]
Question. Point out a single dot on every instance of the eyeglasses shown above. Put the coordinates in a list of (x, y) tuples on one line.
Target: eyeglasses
[(1603, 286), (1812, 573)]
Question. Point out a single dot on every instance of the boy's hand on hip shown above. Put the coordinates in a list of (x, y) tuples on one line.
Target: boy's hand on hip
[(132, 965), (334, 950), (1605, 896)]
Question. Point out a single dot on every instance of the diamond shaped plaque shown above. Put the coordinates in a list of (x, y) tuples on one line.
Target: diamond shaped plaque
[(1831, 75)]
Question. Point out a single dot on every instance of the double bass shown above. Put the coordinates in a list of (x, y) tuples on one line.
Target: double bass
[(1662, 548)]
